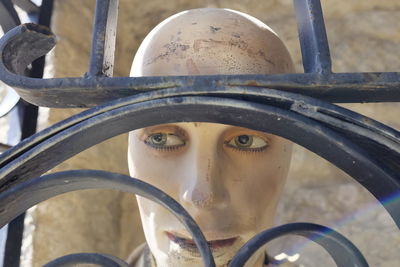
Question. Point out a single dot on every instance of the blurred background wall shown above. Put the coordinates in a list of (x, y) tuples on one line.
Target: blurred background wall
[(363, 35)]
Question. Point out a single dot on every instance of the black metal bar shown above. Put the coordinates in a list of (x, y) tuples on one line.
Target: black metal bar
[(312, 35), (27, 194), (87, 92), (8, 16), (12, 252), (27, 114), (103, 39), (27, 5), (271, 111)]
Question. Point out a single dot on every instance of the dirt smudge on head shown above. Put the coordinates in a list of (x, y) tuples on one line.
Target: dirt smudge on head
[(171, 49), (214, 29)]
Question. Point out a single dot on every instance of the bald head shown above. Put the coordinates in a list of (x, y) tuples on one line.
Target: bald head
[(211, 41), (219, 173)]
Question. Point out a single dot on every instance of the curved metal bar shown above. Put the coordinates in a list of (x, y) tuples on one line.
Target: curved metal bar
[(25, 43), (291, 101), (35, 41), (19, 198), (318, 138), (343, 252), (98, 259)]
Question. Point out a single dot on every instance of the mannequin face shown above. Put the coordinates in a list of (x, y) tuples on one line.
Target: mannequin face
[(228, 178)]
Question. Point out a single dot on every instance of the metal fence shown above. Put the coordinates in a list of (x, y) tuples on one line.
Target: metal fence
[(365, 149)]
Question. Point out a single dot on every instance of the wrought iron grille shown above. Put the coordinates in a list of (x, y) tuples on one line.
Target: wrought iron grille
[(365, 149)]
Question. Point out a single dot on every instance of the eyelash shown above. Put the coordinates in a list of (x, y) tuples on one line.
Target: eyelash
[(245, 150), (226, 143), (165, 148)]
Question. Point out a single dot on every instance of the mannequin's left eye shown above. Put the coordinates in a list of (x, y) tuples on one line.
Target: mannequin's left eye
[(164, 141), (248, 142)]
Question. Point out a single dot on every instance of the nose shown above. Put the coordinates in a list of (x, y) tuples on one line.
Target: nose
[(205, 186)]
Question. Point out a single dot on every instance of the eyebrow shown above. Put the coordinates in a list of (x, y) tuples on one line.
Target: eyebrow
[(168, 127)]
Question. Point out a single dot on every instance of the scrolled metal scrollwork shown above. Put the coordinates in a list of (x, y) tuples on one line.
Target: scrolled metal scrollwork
[(19, 198), (333, 133), (342, 251), (341, 136), (363, 148)]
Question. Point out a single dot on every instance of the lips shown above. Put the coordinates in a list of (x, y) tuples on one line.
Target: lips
[(191, 245)]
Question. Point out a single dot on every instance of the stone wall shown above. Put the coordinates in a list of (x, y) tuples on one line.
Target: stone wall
[(364, 36)]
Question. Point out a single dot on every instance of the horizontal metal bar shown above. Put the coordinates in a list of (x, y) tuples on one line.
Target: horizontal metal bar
[(336, 87), (91, 91), (312, 35)]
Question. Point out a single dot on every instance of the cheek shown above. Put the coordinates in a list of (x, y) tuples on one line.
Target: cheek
[(150, 166), (257, 181), (152, 214), (155, 220)]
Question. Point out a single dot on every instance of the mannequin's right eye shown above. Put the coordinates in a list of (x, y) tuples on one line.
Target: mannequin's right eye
[(164, 141)]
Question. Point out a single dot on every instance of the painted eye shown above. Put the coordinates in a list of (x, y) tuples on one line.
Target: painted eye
[(164, 140), (248, 142)]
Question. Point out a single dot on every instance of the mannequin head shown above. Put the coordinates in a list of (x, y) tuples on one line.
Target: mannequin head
[(228, 178)]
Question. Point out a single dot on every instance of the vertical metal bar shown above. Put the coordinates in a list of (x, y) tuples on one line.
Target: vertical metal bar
[(8, 20), (27, 5), (12, 251), (103, 39), (8, 16), (312, 35), (24, 126)]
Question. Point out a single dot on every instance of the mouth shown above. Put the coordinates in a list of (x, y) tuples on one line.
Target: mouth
[(189, 244)]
